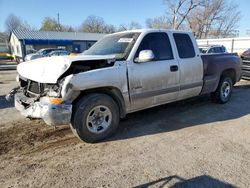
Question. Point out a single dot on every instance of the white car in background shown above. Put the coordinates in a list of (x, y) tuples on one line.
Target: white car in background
[(213, 49), (41, 53), (58, 53)]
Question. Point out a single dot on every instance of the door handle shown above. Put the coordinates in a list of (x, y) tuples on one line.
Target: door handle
[(174, 68)]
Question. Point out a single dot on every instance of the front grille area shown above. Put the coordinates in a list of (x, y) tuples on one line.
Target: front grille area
[(246, 62), (34, 88)]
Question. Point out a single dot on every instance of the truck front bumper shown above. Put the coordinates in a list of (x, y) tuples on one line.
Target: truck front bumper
[(51, 114)]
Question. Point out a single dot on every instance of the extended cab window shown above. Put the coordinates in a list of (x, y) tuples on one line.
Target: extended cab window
[(184, 45), (160, 45)]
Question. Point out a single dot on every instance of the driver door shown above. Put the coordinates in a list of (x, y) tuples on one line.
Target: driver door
[(157, 81)]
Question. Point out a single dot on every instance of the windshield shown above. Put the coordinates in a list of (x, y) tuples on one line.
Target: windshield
[(119, 45)]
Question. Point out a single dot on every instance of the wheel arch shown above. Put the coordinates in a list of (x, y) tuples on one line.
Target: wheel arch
[(230, 73), (113, 92)]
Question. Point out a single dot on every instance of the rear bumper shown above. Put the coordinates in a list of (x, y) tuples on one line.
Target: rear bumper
[(50, 113)]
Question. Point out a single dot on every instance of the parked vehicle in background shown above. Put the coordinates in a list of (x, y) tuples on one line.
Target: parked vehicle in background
[(246, 53), (41, 53), (73, 53), (214, 49), (31, 51), (58, 53), (120, 74), (246, 64), (5, 53), (233, 45)]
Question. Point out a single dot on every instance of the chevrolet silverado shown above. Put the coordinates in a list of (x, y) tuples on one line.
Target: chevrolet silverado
[(122, 73)]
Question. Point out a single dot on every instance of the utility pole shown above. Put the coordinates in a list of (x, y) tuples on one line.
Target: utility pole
[(58, 22)]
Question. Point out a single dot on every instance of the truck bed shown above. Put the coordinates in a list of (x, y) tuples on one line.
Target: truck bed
[(213, 66)]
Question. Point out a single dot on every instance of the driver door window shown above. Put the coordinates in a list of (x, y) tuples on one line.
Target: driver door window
[(160, 45)]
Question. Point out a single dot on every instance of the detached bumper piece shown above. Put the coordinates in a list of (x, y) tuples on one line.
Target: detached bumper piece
[(50, 113), (11, 94)]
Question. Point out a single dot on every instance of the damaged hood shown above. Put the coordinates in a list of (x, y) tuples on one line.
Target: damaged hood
[(49, 69)]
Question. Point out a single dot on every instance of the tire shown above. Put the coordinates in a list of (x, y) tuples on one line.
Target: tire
[(95, 117), (224, 91)]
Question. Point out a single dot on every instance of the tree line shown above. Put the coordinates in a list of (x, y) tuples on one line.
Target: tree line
[(205, 18), (92, 24)]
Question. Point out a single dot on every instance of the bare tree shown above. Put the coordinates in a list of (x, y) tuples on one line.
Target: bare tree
[(129, 26), (95, 24), (216, 18), (108, 28), (177, 11), (12, 22), (205, 18), (229, 21), (68, 28), (158, 23)]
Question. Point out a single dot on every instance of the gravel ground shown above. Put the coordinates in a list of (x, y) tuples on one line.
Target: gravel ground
[(192, 143)]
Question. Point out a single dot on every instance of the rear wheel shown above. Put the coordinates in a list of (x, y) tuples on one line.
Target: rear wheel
[(224, 91), (96, 116)]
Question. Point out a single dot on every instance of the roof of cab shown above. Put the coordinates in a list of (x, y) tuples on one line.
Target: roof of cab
[(152, 30)]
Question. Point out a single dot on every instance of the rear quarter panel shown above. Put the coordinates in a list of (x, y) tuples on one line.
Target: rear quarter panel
[(214, 65)]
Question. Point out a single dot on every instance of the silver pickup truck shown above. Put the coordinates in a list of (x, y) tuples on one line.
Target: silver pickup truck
[(122, 73)]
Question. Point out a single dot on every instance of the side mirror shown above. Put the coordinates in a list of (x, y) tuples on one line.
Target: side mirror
[(145, 56)]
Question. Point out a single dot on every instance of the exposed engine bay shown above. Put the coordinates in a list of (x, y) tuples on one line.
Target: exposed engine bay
[(48, 86), (83, 66), (32, 91)]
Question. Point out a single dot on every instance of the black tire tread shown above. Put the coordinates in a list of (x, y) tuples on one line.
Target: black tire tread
[(79, 109), (216, 96)]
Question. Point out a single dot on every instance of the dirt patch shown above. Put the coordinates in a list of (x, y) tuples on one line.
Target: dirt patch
[(31, 136)]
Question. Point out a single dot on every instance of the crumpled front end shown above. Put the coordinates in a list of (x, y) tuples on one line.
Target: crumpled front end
[(52, 114), (45, 89), (35, 100)]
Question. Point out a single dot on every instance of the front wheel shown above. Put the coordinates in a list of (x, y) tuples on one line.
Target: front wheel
[(224, 91), (96, 116)]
